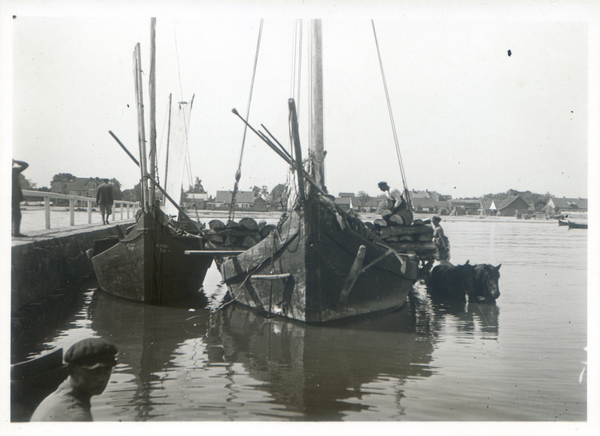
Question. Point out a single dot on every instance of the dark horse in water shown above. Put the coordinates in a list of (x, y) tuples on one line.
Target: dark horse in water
[(478, 282)]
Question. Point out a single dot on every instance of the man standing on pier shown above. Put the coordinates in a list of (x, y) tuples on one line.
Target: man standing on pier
[(17, 197), (104, 198), (90, 363)]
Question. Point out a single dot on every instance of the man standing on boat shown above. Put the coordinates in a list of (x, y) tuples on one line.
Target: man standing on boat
[(17, 197), (104, 198), (90, 363)]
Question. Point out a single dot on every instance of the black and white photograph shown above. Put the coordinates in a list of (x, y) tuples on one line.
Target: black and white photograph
[(320, 216)]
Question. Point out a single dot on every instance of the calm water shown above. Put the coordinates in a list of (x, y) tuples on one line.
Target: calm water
[(522, 359)]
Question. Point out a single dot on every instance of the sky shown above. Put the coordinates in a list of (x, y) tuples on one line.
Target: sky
[(470, 119)]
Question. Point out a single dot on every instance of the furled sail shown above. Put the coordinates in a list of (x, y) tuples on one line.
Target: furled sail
[(177, 152)]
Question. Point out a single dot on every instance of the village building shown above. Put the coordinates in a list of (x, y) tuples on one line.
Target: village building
[(345, 202), (194, 200), (514, 206), (464, 207), (244, 200), (260, 205), (563, 206), (83, 186)]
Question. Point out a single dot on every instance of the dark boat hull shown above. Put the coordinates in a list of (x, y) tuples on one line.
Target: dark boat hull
[(573, 225), (149, 264), (304, 269)]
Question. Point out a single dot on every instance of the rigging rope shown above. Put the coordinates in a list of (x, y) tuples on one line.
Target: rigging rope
[(238, 173), (387, 96)]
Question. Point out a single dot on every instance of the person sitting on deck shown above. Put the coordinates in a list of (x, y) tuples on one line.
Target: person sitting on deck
[(396, 202), (90, 363)]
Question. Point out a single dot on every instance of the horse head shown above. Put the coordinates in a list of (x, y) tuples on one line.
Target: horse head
[(486, 283)]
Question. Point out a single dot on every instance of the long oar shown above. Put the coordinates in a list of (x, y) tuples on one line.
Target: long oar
[(156, 183)]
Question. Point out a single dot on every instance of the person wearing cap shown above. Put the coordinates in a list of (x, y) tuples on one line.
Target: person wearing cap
[(104, 199), (396, 202), (442, 244), (90, 363)]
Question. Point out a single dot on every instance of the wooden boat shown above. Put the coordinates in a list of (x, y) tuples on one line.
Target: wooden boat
[(563, 222), (149, 263), (573, 225), (32, 380), (320, 263)]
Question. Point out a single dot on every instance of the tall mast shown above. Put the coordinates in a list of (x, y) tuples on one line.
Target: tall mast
[(141, 126), (316, 133), (152, 89), (168, 141)]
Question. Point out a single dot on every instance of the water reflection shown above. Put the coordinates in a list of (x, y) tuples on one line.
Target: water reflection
[(320, 372), (147, 338)]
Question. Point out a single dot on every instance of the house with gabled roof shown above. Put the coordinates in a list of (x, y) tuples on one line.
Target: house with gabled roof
[(513, 206), (84, 186), (344, 202), (465, 207), (243, 200), (565, 205)]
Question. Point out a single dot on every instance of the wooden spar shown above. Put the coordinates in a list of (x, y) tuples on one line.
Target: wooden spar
[(169, 138), (316, 133), (141, 126), (152, 89), (167, 196), (297, 148)]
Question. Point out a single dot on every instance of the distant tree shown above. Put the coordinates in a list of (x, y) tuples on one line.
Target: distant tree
[(361, 199), (63, 177), (132, 194), (264, 192), (278, 195), (197, 188), (117, 194), (256, 191), (25, 182)]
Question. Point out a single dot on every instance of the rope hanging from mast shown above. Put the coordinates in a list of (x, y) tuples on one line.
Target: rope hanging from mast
[(387, 96), (238, 173)]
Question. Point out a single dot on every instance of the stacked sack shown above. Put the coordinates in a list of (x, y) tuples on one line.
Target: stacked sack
[(239, 235)]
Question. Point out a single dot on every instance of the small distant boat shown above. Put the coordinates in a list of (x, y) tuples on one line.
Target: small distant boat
[(573, 225)]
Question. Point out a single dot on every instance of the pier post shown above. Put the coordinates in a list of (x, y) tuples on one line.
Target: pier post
[(89, 209), (47, 211), (72, 211), (121, 211)]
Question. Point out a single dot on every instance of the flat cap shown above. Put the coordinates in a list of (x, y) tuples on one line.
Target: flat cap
[(436, 218), (91, 351)]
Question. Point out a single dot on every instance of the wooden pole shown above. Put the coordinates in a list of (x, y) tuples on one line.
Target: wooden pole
[(141, 126), (168, 140), (152, 89), (316, 133)]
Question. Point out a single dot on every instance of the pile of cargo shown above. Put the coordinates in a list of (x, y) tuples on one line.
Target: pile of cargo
[(404, 234), (239, 235)]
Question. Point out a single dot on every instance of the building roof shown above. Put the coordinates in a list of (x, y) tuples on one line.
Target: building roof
[(346, 194), (343, 200), (513, 201), (570, 203), (240, 197)]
